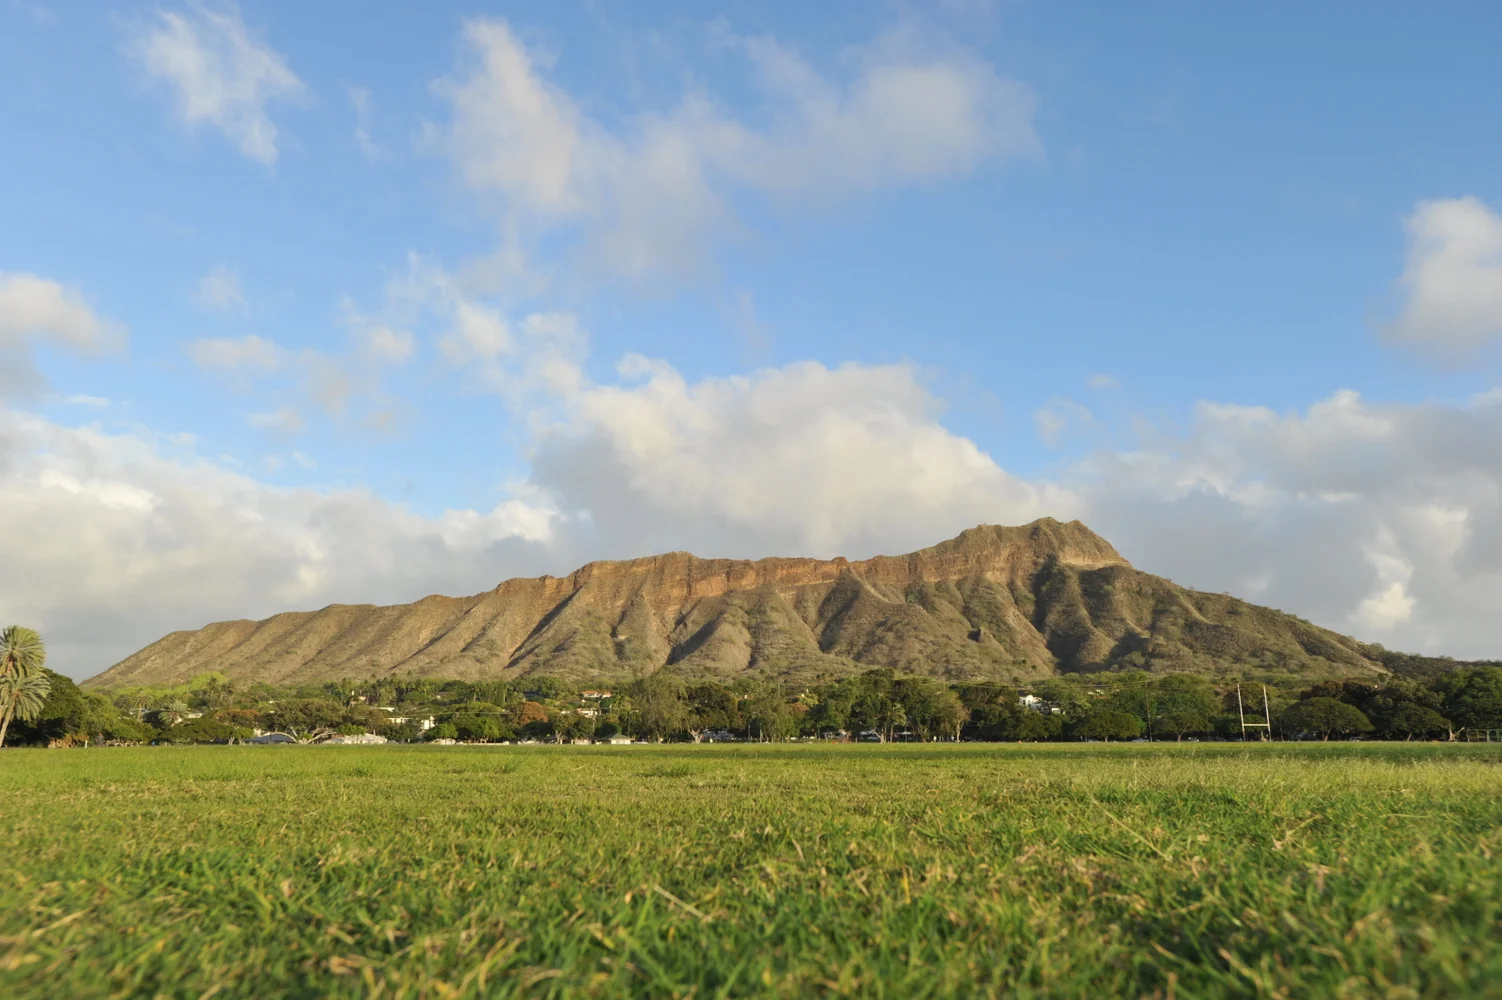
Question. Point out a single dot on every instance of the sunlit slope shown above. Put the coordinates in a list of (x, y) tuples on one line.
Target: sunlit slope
[(1006, 603)]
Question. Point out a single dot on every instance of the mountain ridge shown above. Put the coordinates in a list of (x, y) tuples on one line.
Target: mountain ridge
[(994, 603)]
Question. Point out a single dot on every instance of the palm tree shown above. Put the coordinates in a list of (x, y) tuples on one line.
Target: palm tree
[(22, 651), (21, 698), (23, 686)]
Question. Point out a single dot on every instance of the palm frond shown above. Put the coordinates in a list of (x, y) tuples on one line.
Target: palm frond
[(22, 652), (24, 697)]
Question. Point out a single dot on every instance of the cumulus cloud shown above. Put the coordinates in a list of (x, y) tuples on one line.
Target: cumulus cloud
[(796, 460), (222, 73), (1452, 280), (148, 538), (1380, 520), (35, 308), (646, 197), (220, 289), (805, 459), (237, 355)]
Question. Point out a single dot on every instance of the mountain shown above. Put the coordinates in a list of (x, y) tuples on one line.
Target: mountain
[(1004, 603)]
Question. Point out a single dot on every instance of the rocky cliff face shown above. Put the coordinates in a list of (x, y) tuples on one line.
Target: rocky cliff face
[(1009, 603)]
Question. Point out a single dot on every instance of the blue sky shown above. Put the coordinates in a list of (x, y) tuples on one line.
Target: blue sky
[(362, 301)]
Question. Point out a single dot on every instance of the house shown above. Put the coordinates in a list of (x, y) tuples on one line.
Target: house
[(1038, 705), (594, 695), (423, 725), (617, 740)]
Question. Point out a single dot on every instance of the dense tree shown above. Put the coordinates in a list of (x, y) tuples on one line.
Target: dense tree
[(1411, 719), (1108, 724), (305, 719), (832, 712), (768, 715), (1183, 704), (1472, 698), (205, 730), (545, 688), (1180, 723), (874, 708), (62, 718), (1068, 693), (573, 725), (1023, 726), (930, 707), (1325, 717), (711, 706), (474, 728), (658, 709)]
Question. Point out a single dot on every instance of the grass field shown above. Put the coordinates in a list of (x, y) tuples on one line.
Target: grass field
[(1358, 870)]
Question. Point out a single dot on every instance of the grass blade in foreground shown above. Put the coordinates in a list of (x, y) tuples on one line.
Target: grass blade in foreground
[(899, 871)]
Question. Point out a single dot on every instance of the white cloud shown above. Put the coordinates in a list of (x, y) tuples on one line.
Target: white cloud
[(1452, 279), (802, 459), (220, 289), (1101, 380), (1380, 520), (1058, 417), (1384, 521), (284, 421), (237, 355), (148, 538), (387, 345), (37, 308), (359, 99), (647, 197), (221, 72), (796, 460), (479, 333)]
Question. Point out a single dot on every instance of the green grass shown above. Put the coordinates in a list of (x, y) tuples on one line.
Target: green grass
[(1357, 870)]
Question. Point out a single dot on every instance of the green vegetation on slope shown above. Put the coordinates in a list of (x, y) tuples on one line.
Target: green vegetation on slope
[(1327, 870)]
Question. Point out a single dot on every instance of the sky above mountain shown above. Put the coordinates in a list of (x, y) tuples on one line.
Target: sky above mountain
[(355, 302)]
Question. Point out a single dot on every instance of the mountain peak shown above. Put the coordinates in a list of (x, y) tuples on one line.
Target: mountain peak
[(994, 602)]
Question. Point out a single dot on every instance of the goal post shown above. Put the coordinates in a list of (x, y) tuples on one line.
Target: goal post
[(1267, 716)]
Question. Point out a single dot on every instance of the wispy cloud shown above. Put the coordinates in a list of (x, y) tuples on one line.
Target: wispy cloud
[(221, 72), (220, 289), (647, 197), (237, 355)]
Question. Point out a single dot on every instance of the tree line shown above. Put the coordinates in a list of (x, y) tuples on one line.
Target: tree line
[(39, 707)]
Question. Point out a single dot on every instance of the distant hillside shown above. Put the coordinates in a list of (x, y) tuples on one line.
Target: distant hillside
[(1005, 603)]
